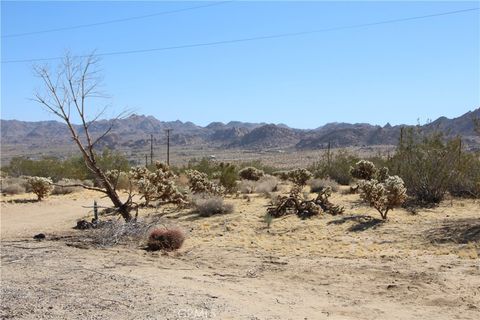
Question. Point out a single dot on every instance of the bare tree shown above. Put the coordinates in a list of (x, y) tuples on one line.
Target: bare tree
[(68, 91)]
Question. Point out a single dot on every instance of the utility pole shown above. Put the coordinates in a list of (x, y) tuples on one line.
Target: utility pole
[(168, 145), (146, 160), (151, 149)]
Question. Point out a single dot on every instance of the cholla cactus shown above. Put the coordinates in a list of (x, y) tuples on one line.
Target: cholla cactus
[(41, 186), (384, 196), (251, 173), (118, 179), (199, 183), (156, 185), (325, 204), (299, 176), (363, 170)]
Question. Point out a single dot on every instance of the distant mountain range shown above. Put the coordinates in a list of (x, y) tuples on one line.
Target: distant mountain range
[(133, 133)]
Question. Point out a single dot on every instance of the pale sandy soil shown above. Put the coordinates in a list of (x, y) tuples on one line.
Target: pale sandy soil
[(233, 267)]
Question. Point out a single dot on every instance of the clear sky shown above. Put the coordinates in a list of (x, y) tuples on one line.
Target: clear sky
[(397, 73)]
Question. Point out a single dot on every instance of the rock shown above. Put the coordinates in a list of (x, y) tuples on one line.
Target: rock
[(40, 236)]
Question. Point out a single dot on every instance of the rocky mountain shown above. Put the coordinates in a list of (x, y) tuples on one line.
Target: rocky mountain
[(133, 133)]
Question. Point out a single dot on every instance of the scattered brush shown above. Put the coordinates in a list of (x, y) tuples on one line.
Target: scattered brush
[(251, 173), (317, 185), (110, 233), (63, 187), (206, 207), (247, 186), (166, 239), (266, 185), (12, 186)]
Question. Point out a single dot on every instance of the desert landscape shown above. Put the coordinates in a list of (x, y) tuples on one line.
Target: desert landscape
[(252, 160), (415, 266)]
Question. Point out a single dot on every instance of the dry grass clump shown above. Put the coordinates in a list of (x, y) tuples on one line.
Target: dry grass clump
[(12, 186), (62, 187), (267, 184), (209, 206), (251, 173), (317, 185), (166, 239), (116, 232), (247, 186)]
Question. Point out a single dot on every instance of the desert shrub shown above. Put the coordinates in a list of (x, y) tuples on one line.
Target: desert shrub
[(465, 181), (266, 184), (281, 174), (158, 185), (41, 186), (335, 167), (251, 173), (429, 165), (383, 196), (62, 187), (299, 176), (228, 177), (204, 165), (294, 203), (167, 239), (13, 185), (247, 186), (200, 184), (209, 206), (267, 169), (317, 185), (71, 168)]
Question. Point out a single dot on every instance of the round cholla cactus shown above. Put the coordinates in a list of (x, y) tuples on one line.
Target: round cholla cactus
[(384, 196), (41, 186), (363, 170), (299, 176), (199, 183), (157, 185), (251, 173)]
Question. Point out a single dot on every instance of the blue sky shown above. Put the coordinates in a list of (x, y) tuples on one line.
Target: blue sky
[(396, 73)]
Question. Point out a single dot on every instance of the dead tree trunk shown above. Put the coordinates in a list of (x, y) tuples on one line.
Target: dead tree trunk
[(69, 88)]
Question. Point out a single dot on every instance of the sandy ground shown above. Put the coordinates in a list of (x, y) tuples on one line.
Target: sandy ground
[(234, 267)]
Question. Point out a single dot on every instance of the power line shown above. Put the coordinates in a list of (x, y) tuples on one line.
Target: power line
[(272, 36), (15, 35)]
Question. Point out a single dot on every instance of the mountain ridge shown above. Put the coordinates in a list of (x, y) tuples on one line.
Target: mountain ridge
[(134, 132)]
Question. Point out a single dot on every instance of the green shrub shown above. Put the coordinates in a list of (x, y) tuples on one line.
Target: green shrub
[(335, 167), (228, 177), (428, 165)]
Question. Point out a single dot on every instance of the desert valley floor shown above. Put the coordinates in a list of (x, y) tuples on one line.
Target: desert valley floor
[(414, 266)]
